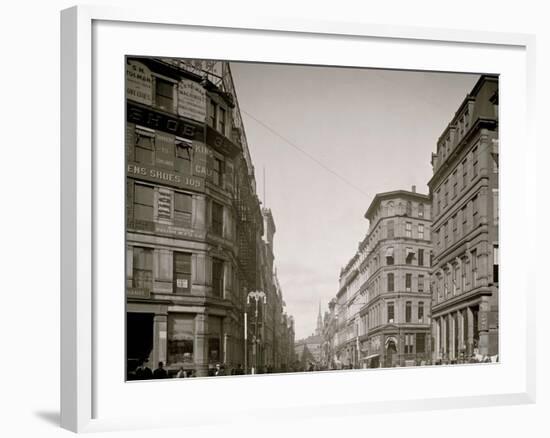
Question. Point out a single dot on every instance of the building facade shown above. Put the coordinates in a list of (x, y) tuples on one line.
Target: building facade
[(396, 317), (195, 226), (464, 188)]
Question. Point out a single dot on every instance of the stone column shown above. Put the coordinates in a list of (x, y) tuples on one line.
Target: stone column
[(200, 347), (483, 326), (470, 331), (452, 328), (437, 341), (460, 316), (443, 336), (159, 340)]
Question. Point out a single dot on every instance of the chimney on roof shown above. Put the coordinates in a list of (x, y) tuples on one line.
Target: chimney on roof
[(414, 189)]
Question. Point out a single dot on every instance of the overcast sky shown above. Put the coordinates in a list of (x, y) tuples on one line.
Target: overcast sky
[(375, 129)]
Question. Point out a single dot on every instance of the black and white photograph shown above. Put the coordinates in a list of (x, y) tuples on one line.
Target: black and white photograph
[(299, 218)]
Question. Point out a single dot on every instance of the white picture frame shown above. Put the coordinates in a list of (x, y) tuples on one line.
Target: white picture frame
[(86, 353)]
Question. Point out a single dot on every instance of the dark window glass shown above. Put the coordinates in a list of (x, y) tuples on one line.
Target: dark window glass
[(390, 282), (217, 277), (420, 311), (408, 281), (183, 156), (183, 208), (143, 202), (391, 312), (420, 342), (212, 116), (142, 275), (217, 218), (182, 272), (420, 257), (408, 311), (164, 94), (144, 148)]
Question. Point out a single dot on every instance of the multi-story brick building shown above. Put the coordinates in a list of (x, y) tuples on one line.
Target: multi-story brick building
[(464, 188), (194, 221), (396, 317)]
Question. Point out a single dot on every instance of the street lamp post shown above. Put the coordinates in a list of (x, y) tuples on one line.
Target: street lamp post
[(256, 296)]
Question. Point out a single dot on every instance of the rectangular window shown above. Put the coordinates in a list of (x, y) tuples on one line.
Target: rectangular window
[(217, 172), (475, 212), (181, 335), (142, 274), (446, 236), (420, 343), (390, 282), (217, 218), (474, 268), (408, 343), (475, 163), (464, 174), (390, 230), (408, 282), (420, 283), (495, 263), (408, 311), (455, 228), (391, 313), (408, 229), (455, 184), (222, 120), (143, 202), (438, 201), (182, 273), (420, 210), (144, 147), (420, 311), (445, 194), (495, 206), (409, 256), (421, 231), (212, 114), (164, 94), (217, 278), (464, 221), (389, 256), (183, 156), (183, 208), (420, 257)]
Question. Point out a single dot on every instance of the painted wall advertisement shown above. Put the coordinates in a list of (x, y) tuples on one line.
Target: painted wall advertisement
[(139, 83), (192, 100)]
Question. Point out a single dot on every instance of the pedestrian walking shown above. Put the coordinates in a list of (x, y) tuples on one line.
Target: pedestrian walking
[(143, 372), (181, 374), (160, 372)]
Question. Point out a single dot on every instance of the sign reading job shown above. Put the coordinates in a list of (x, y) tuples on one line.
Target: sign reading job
[(191, 100), (139, 83)]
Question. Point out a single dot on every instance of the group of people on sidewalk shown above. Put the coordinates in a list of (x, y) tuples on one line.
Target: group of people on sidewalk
[(143, 372)]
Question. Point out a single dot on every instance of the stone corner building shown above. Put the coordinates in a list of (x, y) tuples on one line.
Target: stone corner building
[(464, 189), (396, 315), (195, 239)]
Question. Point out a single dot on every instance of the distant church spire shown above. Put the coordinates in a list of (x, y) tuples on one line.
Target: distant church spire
[(319, 329)]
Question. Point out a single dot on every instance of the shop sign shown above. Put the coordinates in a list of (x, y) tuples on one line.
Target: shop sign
[(179, 232), (192, 100), (164, 150), (164, 177), (139, 83), (138, 292), (162, 122), (164, 204), (182, 283)]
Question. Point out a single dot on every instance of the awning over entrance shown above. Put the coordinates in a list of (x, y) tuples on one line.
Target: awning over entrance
[(371, 356)]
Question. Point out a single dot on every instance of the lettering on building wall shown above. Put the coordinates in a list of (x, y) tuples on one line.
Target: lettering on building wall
[(139, 83), (165, 177), (164, 204), (192, 100)]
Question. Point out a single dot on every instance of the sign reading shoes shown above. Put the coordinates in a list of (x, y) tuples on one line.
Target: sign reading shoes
[(164, 177)]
